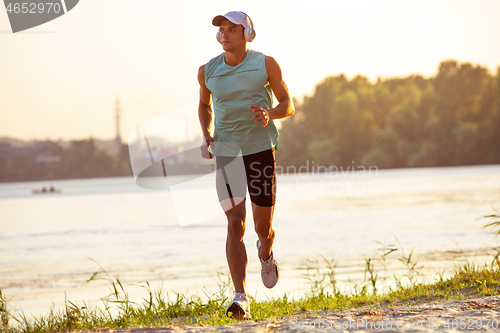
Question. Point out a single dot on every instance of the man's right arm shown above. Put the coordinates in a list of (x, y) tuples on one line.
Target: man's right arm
[(205, 114)]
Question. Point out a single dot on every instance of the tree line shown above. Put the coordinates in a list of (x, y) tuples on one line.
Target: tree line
[(81, 159), (450, 119)]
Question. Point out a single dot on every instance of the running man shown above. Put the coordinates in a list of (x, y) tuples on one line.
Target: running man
[(240, 82)]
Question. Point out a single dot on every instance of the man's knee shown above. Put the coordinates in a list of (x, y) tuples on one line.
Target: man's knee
[(235, 227), (263, 217), (264, 230)]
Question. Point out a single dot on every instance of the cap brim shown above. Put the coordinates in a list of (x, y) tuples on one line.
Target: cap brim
[(218, 20)]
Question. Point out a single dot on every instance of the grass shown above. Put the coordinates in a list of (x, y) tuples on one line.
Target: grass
[(157, 310), (118, 311)]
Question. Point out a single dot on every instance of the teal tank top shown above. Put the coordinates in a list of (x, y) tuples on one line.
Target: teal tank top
[(234, 89)]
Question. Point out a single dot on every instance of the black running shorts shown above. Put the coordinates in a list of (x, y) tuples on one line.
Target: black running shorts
[(255, 171)]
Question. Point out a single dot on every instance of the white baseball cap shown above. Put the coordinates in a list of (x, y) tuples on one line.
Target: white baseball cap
[(235, 17)]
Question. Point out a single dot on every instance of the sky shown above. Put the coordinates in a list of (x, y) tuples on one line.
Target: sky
[(60, 80)]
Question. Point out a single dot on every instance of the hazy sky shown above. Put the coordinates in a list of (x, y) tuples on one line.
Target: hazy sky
[(60, 79)]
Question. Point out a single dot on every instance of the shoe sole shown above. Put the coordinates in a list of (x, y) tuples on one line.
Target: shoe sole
[(277, 276), (236, 312), (277, 268)]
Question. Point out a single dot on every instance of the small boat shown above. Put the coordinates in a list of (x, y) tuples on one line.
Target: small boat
[(46, 190)]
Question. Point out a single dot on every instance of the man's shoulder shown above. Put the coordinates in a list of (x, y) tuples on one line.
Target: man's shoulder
[(271, 64), (270, 59), (254, 53), (215, 59), (211, 66), (267, 58), (201, 71)]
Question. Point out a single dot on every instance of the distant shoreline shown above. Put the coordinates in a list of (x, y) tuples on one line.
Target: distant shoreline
[(185, 172)]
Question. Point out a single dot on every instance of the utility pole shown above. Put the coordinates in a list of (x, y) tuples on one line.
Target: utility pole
[(118, 139)]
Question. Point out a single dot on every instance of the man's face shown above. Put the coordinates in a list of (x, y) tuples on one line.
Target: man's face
[(232, 36)]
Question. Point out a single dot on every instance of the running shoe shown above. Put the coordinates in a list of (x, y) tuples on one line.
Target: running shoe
[(240, 307), (270, 270)]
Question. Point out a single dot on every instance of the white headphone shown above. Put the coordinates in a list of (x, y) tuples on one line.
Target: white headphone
[(248, 32)]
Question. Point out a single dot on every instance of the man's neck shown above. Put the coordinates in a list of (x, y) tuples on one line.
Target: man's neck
[(236, 57)]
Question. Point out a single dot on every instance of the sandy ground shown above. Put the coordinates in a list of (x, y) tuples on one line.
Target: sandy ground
[(478, 314)]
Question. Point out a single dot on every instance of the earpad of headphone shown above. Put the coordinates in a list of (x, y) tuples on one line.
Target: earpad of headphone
[(249, 34)]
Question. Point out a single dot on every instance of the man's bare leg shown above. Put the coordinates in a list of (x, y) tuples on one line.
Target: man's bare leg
[(263, 219), (236, 253)]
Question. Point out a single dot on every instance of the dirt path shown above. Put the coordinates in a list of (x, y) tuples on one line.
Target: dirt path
[(472, 315)]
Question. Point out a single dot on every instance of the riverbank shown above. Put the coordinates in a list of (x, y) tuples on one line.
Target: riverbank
[(469, 314), (469, 297)]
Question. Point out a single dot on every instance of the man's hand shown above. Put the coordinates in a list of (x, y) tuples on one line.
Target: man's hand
[(261, 115), (207, 141)]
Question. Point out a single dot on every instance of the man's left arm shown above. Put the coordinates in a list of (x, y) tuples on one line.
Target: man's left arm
[(285, 106)]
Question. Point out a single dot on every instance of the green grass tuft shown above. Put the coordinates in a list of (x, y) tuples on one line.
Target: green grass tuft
[(469, 280), (118, 311)]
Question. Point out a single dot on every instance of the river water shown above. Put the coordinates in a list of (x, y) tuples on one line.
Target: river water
[(51, 244)]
